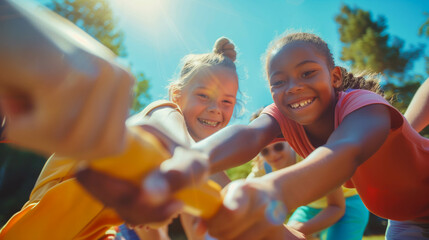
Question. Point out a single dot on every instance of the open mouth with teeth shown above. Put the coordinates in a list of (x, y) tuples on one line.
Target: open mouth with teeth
[(208, 122), (301, 104)]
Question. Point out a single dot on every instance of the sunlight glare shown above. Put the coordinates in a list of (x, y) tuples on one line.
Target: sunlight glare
[(151, 17)]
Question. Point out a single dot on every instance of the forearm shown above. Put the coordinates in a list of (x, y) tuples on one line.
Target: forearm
[(332, 164), (316, 176), (232, 146), (417, 112)]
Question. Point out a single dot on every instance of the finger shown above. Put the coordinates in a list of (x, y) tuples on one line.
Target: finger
[(129, 201), (180, 175), (55, 108), (91, 120), (263, 225), (112, 192), (112, 138), (139, 212), (235, 206), (236, 196), (156, 187)]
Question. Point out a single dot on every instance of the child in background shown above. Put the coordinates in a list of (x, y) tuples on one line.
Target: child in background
[(313, 217), (319, 215), (202, 102), (346, 134), (339, 215), (272, 157)]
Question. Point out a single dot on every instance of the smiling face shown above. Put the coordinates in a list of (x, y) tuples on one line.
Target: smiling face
[(301, 84), (208, 100), (278, 155)]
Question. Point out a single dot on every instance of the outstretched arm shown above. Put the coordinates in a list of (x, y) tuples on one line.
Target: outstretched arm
[(417, 112), (235, 145), (332, 164), (325, 169)]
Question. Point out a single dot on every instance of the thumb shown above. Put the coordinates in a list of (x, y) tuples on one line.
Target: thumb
[(156, 187), (187, 167), (235, 198)]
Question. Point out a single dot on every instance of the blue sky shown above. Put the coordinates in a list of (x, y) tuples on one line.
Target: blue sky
[(158, 33)]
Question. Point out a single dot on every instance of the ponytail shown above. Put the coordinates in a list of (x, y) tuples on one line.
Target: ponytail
[(360, 80)]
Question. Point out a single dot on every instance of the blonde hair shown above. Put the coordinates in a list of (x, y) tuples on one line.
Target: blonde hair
[(361, 80), (223, 54)]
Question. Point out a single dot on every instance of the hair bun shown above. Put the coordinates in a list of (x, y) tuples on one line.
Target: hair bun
[(225, 47)]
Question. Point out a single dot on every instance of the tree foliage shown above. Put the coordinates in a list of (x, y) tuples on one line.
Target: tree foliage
[(424, 28), (368, 47), (424, 31), (141, 93), (18, 173), (96, 18)]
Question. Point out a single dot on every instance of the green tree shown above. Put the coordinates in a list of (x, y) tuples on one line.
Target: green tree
[(141, 93), (367, 47), (96, 18), (18, 173), (424, 30)]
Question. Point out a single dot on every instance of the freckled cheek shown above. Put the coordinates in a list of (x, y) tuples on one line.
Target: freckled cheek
[(227, 114)]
